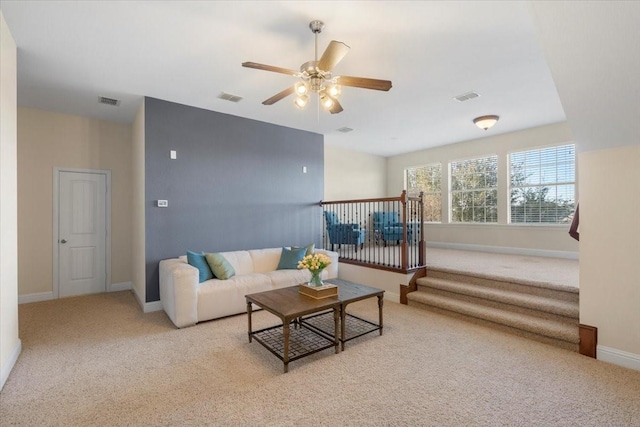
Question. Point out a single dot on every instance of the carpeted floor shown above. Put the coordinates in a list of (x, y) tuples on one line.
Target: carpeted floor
[(98, 360), (558, 272)]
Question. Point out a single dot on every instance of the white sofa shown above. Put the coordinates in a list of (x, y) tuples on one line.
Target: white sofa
[(188, 302)]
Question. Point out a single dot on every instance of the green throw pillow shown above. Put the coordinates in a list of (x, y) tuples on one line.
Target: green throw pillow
[(310, 248), (290, 258), (198, 261), (220, 266)]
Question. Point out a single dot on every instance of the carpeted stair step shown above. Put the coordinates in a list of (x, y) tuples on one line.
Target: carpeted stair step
[(543, 304), (528, 287), (535, 325)]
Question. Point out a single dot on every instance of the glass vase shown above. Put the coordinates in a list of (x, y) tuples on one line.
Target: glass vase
[(316, 280)]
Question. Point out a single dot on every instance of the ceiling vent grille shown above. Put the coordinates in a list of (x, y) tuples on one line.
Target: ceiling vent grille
[(229, 97), (466, 96), (345, 129), (108, 101)]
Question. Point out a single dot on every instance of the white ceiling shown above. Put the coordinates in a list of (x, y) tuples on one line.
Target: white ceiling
[(69, 53)]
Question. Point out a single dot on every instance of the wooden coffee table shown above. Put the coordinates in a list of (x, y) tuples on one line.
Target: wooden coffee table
[(351, 326), (289, 305)]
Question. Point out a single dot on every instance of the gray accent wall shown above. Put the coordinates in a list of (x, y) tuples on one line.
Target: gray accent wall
[(236, 184)]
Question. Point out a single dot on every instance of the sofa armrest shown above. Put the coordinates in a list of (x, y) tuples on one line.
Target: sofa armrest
[(179, 291), (332, 269)]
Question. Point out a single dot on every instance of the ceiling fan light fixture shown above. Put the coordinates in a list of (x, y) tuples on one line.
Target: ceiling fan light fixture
[(334, 90), (301, 101), (326, 101), (302, 88), (486, 122)]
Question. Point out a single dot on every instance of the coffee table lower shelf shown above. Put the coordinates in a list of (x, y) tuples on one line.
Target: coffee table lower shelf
[(354, 326), (303, 341)]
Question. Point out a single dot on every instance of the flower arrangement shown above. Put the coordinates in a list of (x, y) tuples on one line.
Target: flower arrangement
[(315, 263)]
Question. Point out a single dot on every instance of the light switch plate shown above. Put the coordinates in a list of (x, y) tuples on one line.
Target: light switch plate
[(174, 155)]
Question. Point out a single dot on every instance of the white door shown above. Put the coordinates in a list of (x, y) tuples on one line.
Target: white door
[(82, 233)]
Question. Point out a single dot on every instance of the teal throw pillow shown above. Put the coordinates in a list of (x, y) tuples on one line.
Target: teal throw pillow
[(310, 248), (198, 261), (290, 258), (220, 266)]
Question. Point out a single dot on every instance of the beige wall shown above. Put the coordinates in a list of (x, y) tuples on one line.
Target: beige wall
[(9, 340), (48, 140), (535, 240), (353, 175), (138, 267), (610, 246)]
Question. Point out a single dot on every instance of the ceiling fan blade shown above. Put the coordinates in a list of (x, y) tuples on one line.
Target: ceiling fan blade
[(364, 83), (337, 108), (270, 68), (278, 96), (332, 55)]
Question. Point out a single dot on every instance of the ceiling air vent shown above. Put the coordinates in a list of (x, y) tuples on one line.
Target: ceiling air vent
[(108, 101), (466, 96), (345, 129), (229, 97)]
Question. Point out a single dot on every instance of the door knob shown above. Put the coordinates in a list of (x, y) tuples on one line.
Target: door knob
[(63, 241)]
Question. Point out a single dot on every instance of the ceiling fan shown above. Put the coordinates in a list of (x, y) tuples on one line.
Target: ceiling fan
[(315, 76)]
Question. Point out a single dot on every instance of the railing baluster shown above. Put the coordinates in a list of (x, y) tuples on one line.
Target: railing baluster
[(359, 239)]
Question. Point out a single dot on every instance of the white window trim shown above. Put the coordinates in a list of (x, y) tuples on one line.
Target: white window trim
[(508, 184), (450, 191)]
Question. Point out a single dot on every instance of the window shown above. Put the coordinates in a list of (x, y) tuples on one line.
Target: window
[(474, 190), (542, 186), (427, 179)]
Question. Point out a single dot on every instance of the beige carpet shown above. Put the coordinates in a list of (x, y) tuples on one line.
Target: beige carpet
[(533, 269), (97, 360), (558, 272)]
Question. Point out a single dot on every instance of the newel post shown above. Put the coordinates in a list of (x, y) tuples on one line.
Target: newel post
[(422, 242), (405, 243)]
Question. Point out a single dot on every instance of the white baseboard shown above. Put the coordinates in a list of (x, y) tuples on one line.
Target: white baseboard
[(152, 306), (40, 296), (392, 296), (504, 250), (147, 307), (5, 370), (116, 287), (618, 357), (46, 296)]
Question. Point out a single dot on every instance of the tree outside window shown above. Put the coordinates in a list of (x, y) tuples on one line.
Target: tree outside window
[(474, 190), (542, 189), (427, 179)]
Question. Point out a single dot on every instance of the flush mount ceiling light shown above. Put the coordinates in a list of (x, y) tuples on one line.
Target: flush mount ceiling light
[(316, 77), (486, 122)]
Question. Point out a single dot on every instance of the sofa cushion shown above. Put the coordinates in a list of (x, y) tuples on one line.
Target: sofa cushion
[(289, 258), (220, 266), (199, 261), (265, 260), (241, 261), (218, 298), (284, 278)]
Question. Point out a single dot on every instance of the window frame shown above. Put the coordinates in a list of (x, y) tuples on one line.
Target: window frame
[(574, 183), (439, 192), (495, 190)]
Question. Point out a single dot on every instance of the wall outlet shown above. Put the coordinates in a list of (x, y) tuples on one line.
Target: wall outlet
[(163, 203)]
